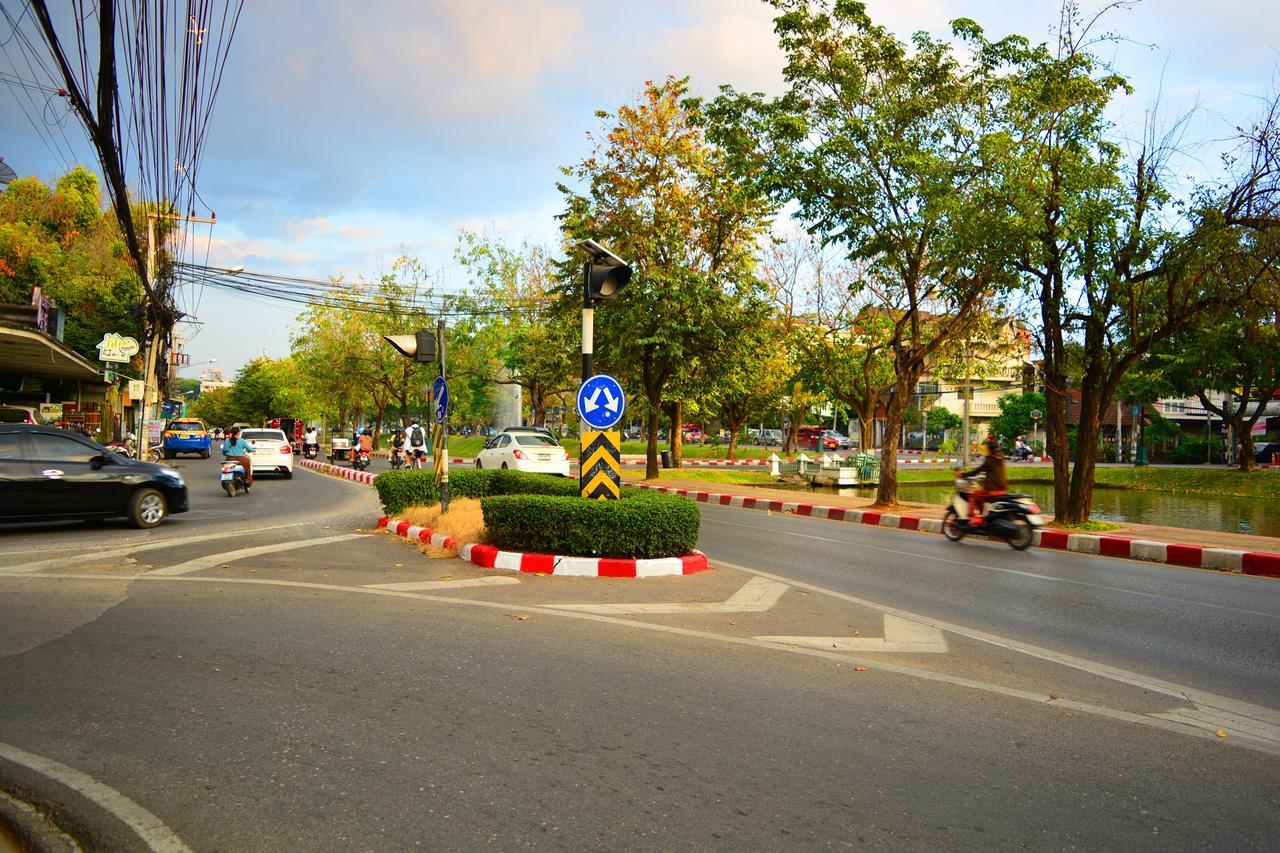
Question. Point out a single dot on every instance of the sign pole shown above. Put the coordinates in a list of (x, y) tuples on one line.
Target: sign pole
[(442, 412), (601, 404), (588, 322)]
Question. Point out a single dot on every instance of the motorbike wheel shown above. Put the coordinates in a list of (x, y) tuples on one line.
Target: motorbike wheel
[(1023, 535), (949, 527), (230, 489)]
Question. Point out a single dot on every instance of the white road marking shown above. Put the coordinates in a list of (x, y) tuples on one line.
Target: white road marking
[(1268, 742), (210, 560), (150, 829), (900, 635), (757, 596), (126, 550), (423, 586), (1025, 574)]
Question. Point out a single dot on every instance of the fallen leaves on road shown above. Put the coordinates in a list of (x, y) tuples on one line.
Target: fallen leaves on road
[(1221, 733), (523, 617), (859, 668)]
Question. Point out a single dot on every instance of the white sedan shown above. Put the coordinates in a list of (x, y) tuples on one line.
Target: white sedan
[(271, 452), (525, 451)]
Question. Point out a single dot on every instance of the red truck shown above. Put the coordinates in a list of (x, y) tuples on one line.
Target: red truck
[(292, 428)]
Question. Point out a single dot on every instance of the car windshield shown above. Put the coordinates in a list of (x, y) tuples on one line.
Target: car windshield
[(186, 425), (14, 416), (535, 440), (262, 435)]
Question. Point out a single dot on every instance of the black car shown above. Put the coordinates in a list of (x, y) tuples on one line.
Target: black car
[(49, 474)]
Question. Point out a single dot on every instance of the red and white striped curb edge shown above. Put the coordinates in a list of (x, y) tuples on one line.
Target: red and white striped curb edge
[(338, 471), (1255, 563), (490, 557)]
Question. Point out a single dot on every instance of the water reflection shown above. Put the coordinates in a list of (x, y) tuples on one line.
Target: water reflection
[(1229, 514)]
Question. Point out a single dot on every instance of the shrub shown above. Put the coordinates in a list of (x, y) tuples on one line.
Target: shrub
[(641, 525), (400, 489)]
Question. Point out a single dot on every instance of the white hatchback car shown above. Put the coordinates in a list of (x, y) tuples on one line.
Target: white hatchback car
[(524, 450), (271, 452)]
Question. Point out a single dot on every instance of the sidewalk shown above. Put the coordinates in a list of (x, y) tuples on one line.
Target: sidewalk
[(1146, 532)]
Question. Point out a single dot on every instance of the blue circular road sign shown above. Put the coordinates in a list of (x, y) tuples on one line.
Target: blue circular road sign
[(440, 394), (601, 402)]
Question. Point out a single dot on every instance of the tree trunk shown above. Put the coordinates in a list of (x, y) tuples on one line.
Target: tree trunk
[(1080, 496), (887, 491), (734, 428), (1248, 451), (651, 452), (866, 434), (676, 413)]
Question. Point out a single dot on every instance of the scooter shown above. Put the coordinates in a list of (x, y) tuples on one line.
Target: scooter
[(123, 448), (311, 451), (1011, 517), (233, 479), (397, 459), (360, 459)]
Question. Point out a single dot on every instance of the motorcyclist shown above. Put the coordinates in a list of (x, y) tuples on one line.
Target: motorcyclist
[(416, 438), (311, 439), (236, 449), (995, 482), (365, 440), (397, 443), (1020, 450)]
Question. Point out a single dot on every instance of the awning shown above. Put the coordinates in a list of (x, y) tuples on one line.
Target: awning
[(31, 352)]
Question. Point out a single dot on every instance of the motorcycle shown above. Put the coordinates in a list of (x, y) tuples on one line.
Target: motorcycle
[(311, 451), (397, 459), (360, 459), (233, 479), (123, 448), (1012, 517)]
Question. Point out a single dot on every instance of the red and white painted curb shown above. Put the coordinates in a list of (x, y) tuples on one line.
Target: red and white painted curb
[(490, 557), (1255, 563), (365, 477)]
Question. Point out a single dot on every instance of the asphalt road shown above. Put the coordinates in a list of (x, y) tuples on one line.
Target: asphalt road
[(246, 676)]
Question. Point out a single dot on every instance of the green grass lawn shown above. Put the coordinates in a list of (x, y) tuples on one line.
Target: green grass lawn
[(724, 478)]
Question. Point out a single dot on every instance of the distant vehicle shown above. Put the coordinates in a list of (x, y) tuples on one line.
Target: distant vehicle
[(771, 437), (51, 474), (186, 435), (524, 449), (272, 452), (815, 438), (694, 434), (842, 441), (291, 427), (488, 431), (11, 413), (1267, 453)]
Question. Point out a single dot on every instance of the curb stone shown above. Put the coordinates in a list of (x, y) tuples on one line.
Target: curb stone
[(490, 557), (1253, 563)]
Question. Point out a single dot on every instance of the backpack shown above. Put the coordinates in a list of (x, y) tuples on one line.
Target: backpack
[(415, 436)]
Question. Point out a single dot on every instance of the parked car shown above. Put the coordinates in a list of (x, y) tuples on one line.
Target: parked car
[(694, 434), (12, 413), (272, 452), (1267, 453), (841, 440), (771, 437), (524, 449), (186, 435), (51, 474)]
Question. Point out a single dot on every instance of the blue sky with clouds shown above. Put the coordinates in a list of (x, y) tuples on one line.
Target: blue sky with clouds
[(346, 133)]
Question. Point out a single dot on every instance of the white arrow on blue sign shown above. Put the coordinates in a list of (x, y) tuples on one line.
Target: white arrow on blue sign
[(440, 394), (601, 402)]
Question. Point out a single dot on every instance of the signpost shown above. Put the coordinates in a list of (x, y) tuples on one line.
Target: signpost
[(118, 349), (601, 404), (439, 454)]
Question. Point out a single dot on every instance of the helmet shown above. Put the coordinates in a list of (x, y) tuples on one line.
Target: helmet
[(367, 431), (415, 422)]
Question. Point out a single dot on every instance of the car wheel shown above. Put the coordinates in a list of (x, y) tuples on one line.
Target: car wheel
[(504, 466), (288, 475), (204, 455), (479, 466), (147, 508)]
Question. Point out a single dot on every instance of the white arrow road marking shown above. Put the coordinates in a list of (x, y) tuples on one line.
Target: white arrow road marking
[(900, 635), (420, 586), (590, 404), (211, 560), (757, 596), (126, 550)]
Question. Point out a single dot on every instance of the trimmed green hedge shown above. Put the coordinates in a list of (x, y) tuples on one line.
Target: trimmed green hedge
[(641, 525), (400, 489)]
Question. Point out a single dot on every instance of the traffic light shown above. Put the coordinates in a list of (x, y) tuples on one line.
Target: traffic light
[(420, 346), (605, 280)]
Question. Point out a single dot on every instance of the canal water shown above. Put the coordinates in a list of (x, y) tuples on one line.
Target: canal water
[(1227, 513)]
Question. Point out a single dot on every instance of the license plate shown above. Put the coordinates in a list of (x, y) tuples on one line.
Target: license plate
[(228, 476), (544, 457)]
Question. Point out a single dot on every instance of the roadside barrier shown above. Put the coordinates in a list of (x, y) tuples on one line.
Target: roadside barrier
[(365, 477)]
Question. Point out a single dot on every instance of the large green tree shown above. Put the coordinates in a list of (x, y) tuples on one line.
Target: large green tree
[(655, 190)]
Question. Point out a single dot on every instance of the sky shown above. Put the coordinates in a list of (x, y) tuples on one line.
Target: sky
[(346, 134)]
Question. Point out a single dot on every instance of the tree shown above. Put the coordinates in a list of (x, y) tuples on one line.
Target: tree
[(754, 382), (938, 420), (1015, 415), (888, 150), (662, 197), (214, 408)]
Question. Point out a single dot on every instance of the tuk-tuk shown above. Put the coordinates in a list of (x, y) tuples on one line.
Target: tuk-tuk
[(339, 449)]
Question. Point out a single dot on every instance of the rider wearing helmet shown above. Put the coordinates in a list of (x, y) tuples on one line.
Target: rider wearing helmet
[(236, 449), (995, 482)]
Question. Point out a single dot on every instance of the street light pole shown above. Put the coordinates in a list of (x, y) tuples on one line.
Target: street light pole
[(588, 322)]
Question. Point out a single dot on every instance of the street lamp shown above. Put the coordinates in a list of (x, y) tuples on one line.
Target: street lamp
[(602, 277)]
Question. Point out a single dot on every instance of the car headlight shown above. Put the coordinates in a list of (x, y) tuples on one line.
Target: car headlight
[(172, 475)]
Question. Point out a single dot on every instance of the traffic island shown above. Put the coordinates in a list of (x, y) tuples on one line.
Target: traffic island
[(540, 524), (338, 471)]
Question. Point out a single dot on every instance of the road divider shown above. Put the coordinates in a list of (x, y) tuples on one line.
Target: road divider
[(338, 471), (1254, 563), (489, 557)]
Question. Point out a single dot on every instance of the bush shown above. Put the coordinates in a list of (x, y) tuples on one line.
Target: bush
[(400, 489), (641, 525)]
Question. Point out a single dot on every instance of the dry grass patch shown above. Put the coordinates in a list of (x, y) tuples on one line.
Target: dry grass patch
[(464, 521)]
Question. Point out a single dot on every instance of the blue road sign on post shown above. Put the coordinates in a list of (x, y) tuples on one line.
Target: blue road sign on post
[(440, 394), (601, 402)]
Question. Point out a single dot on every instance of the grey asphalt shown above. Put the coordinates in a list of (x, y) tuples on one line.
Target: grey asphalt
[(250, 714)]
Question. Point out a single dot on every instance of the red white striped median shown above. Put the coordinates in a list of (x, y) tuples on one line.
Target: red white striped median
[(489, 557), (365, 477)]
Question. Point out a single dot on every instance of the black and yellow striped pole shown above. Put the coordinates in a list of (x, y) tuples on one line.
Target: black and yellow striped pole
[(600, 465)]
